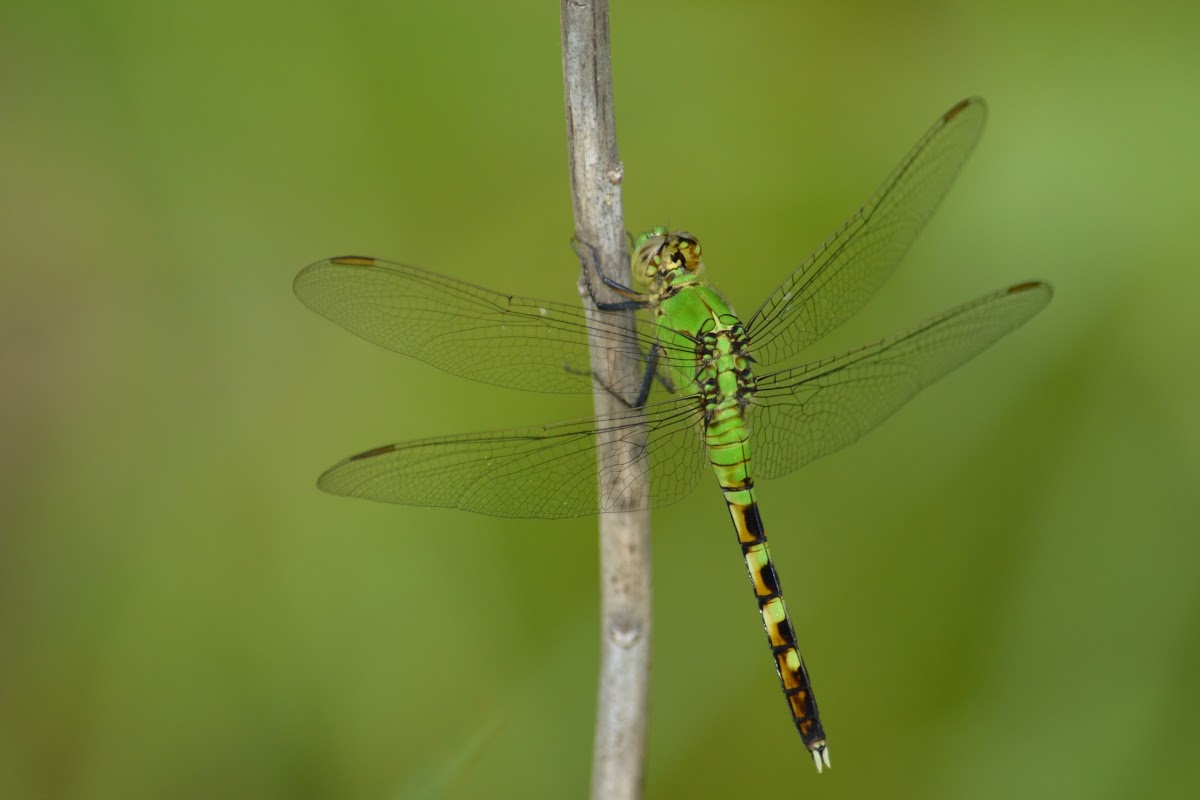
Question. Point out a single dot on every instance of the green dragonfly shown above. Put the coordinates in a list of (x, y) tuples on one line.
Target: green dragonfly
[(728, 389)]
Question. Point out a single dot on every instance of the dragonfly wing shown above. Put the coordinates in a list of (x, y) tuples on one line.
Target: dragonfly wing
[(516, 342), (838, 279), (547, 472), (804, 413)]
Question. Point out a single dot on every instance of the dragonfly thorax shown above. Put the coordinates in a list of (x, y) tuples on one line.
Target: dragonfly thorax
[(724, 375)]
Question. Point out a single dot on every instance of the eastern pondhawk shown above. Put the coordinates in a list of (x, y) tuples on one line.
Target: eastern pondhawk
[(726, 390)]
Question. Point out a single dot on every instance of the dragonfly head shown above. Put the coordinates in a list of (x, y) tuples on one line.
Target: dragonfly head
[(662, 258)]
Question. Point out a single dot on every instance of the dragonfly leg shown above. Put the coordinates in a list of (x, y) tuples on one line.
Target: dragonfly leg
[(591, 262), (603, 384), (648, 376), (661, 376), (666, 382), (652, 374)]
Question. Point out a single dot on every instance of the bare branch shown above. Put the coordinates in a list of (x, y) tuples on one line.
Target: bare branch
[(618, 763)]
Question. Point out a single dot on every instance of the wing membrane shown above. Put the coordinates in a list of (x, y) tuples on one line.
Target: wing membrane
[(845, 271), (515, 342), (545, 472), (804, 413)]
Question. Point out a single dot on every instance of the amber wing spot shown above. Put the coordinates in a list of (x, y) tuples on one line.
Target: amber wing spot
[(954, 112), (378, 451), (1025, 287), (353, 261)]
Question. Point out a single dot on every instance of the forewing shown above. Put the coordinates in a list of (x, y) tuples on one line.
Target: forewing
[(838, 279), (804, 413), (504, 340), (548, 472)]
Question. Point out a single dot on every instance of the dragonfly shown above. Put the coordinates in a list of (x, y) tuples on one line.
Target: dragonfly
[(712, 391)]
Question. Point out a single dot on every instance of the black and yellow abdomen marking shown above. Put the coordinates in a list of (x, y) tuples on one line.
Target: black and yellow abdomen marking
[(793, 676)]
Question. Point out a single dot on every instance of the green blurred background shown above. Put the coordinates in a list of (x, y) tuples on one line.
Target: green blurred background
[(998, 592)]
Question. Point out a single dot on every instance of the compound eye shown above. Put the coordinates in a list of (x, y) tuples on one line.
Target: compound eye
[(689, 253), (647, 260), (690, 257)]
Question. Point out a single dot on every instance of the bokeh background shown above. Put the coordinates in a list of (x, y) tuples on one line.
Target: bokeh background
[(998, 592)]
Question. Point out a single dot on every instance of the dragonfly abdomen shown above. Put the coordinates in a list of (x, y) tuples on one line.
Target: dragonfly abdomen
[(729, 454)]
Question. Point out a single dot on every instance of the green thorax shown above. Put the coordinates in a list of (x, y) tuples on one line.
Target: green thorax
[(691, 317)]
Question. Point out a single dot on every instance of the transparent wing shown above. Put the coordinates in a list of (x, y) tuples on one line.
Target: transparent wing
[(804, 413), (548, 472), (516, 342), (845, 271)]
